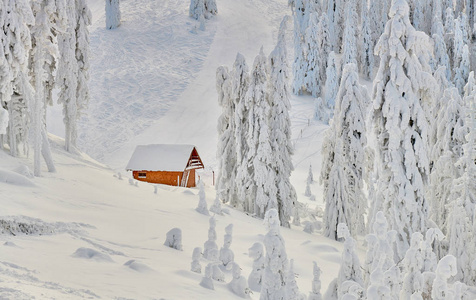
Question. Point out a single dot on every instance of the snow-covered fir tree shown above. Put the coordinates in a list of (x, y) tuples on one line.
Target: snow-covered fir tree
[(72, 75), (226, 153), (343, 172), (445, 270), (15, 86), (339, 24), (349, 271), (400, 87), (195, 266), (461, 69), (349, 42), (292, 289), (240, 81), (238, 284), (441, 54), (113, 14), (449, 137), (315, 293), (332, 82), (202, 201), (263, 188), (300, 60), (366, 51), (449, 26), (255, 279), (325, 45), (314, 56), (207, 281), (227, 257), (280, 128), (461, 229), (276, 261), (210, 245), (380, 253), (49, 19)]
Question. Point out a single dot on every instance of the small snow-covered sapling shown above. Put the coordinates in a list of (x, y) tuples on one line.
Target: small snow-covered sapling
[(238, 284), (226, 254), (210, 244), (446, 268), (174, 239), (195, 266), (202, 202), (292, 288), (217, 273), (315, 294), (256, 276), (207, 281), (216, 207)]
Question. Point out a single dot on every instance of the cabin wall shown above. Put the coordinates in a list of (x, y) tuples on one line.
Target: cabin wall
[(164, 177)]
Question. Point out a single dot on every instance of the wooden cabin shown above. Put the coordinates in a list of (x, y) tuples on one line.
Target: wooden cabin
[(165, 164)]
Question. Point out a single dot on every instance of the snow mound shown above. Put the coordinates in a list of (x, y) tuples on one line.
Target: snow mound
[(25, 171), (137, 266), (10, 244), (88, 253), (14, 178)]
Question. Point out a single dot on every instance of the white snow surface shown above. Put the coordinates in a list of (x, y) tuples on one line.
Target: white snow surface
[(152, 82), (161, 157)]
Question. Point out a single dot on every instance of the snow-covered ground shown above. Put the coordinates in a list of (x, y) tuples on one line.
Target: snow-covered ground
[(84, 233)]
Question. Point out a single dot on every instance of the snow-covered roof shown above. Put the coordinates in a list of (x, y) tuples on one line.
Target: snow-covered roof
[(160, 157)]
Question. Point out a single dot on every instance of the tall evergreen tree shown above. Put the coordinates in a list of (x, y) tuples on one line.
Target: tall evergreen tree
[(262, 190), (280, 127), (240, 83), (314, 56), (366, 51), (401, 126), (15, 87), (343, 180), (226, 152)]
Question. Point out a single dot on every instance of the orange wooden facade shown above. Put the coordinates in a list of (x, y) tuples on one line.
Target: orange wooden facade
[(185, 178), (165, 177)]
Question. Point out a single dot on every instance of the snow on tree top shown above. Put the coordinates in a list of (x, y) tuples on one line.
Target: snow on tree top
[(164, 157)]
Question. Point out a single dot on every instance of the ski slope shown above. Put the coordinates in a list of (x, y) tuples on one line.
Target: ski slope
[(94, 235)]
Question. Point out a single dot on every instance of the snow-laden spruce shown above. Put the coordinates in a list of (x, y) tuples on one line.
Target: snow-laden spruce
[(226, 152), (15, 87), (72, 75), (263, 188), (400, 87), (240, 81), (255, 279), (314, 56), (202, 201), (113, 14), (238, 284), (349, 43), (315, 293), (49, 18), (349, 270), (462, 227), (292, 289), (195, 265), (366, 44), (332, 83), (276, 261), (227, 257), (210, 245), (343, 157), (449, 131), (280, 128)]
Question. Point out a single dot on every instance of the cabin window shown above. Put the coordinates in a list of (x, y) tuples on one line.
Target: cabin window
[(142, 175)]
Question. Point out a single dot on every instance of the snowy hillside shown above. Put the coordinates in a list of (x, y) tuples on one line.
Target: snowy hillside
[(84, 233)]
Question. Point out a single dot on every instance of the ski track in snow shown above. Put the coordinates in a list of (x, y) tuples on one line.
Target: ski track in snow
[(138, 70)]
